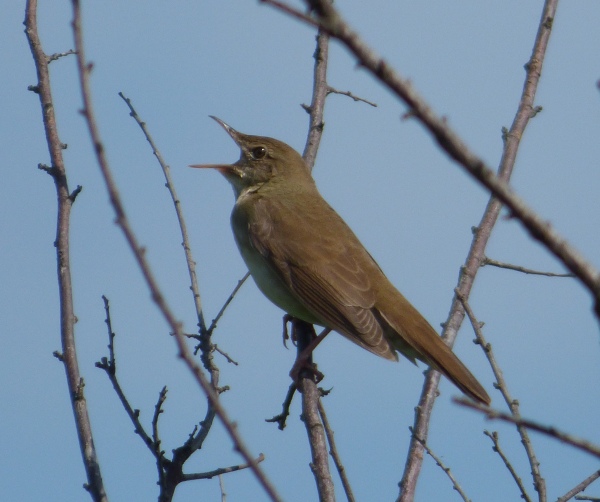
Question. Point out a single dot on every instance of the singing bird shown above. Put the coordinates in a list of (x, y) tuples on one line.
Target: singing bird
[(307, 261)]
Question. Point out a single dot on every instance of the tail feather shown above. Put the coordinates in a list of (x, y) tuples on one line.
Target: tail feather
[(409, 333)]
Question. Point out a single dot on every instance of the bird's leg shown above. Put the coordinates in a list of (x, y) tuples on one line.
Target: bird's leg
[(307, 341), (286, 336)]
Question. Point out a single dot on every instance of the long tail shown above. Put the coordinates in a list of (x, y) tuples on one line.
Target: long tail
[(409, 333)]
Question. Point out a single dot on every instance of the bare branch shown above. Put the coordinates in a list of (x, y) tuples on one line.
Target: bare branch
[(214, 322), (513, 404), (548, 430), (494, 437), (440, 464), (220, 471), (304, 333), (317, 105), (579, 488), (282, 417), (58, 55), (158, 298), (225, 355), (334, 453), (94, 485), (332, 90), (109, 365), (518, 268), (191, 264)]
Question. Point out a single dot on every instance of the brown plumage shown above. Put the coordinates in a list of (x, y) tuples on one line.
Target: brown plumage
[(306, 260)]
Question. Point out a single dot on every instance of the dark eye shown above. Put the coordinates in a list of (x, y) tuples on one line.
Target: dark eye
[(258, 152)]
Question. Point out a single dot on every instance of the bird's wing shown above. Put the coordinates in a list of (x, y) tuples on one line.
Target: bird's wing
[(324, 266)]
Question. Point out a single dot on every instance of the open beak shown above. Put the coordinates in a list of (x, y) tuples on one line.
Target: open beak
[(222, 168)]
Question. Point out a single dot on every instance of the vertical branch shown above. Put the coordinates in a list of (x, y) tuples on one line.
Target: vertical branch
[(304, 333), (476, 253), (65, 201), (317, 105)]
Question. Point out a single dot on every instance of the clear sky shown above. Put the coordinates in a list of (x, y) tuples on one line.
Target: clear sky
[(410, 205)]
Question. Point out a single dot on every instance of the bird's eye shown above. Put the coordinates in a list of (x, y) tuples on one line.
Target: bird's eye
[(258, 152)]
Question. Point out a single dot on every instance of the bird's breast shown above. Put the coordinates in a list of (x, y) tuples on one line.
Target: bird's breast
[(264, 272)]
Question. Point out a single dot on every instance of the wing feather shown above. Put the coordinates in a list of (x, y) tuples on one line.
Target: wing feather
[(325, 275)]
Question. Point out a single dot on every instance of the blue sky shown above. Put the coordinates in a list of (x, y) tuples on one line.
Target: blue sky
[(410, 205)]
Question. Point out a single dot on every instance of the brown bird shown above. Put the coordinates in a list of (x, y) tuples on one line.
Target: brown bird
[(307, 261)]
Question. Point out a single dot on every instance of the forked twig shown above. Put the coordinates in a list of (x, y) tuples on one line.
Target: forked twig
[(495, 439), (455, 485), (513, 404)]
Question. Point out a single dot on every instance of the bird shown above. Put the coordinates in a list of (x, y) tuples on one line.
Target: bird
[(306, 260)]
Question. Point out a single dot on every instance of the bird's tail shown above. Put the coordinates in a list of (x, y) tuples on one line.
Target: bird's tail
[(409, 333)]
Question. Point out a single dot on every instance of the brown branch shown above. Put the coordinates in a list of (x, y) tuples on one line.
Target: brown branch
[(139, 255), (518, 268), (580, 487), (495, 439), (446, 470), (334, 453), (282, 417), (548, 430), (65, 198), (317, 105), (513, 404), (304, 333)]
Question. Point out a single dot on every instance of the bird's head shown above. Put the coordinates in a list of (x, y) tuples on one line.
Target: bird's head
[(263, 161)]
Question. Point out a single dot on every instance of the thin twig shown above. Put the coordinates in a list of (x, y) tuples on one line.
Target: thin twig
[(282, 417), (109, 365), (222, 488), (513, 404), (580, 487), (332, 90), (548, 430), (518, 268), (58, 55), (441, 465), (158, 298), (214, 322), (191, 264), (337, 460), (225, 355), (94, 485), (221, 470), (495, 439)]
